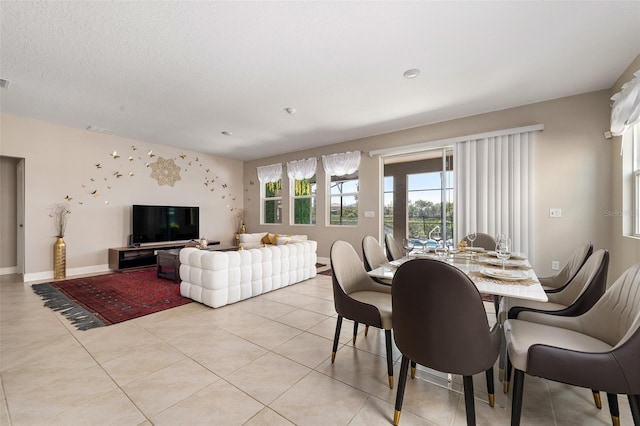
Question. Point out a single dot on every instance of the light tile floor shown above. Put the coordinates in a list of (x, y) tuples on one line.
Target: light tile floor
[(263, 361)]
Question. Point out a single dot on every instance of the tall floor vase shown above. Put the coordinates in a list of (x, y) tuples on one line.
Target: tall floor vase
[(59, 259)]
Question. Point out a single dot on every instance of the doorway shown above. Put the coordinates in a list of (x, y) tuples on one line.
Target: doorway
[(418, 196)]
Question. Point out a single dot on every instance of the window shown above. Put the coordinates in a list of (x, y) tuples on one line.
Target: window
[(272, 202), (425, 193), (304, 201), (388, 204), (270, 178), (343, 200), (342, 173)]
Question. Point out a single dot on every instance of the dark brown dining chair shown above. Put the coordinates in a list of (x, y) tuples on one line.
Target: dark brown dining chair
[(359, 298), (584, 290), (395, 250), (599, 349), (569, 270), (440, 322)]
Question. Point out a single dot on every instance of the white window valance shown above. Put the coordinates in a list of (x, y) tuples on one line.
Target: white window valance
[(626, 106), (342, 164), (270, 173), (302, 169)]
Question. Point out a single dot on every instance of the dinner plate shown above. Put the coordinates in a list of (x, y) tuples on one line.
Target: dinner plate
[(475, 249), (504, 275), (398, 262), (510, 263), (516, 256)]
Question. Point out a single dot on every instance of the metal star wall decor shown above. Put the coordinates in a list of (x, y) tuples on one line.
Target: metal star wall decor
[(165, 172)]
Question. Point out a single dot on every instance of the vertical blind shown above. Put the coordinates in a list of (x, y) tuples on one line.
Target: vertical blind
[(494, 188)]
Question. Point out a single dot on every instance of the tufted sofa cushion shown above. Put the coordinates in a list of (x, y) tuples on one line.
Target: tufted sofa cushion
[(219, 278)]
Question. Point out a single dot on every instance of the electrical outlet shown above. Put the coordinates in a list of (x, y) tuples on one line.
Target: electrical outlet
[(555, 265), (555, 212)]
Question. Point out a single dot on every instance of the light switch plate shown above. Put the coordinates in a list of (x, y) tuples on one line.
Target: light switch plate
[(555, 212), (369, 214), (555, 265)]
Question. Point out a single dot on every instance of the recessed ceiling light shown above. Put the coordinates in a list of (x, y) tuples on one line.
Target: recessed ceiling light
[(226, 133), (412, 73)]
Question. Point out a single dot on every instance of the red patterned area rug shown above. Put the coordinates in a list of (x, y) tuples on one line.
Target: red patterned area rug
[(112, 298)]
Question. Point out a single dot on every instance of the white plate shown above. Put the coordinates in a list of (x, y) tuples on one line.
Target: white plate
[(475, 249), (513, 263), (504, 275), (398, 262), (516, 256)]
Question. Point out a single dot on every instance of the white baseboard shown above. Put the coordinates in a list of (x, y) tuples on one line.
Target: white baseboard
[(9, 270), (73, 272)]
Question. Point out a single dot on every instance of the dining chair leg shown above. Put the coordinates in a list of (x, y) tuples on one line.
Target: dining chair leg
[(507, 375), (366, 330), (516, 398), (596, 398), (634, 403), (469, 403), (335, 338), (355, 331), (387, 338), (496, 303), (490, 388), (413, 369), (402, 381), (612, 399)]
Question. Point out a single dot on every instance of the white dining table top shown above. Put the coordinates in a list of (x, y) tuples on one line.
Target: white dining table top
[(485, 272)]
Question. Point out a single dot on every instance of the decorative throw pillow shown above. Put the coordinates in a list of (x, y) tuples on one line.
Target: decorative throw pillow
[(274, 238), (266, 239)]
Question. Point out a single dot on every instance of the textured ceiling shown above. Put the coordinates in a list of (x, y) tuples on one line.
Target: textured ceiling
[(180, 73)]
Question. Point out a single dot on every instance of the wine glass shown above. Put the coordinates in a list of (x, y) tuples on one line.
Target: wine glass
[(423, 240), (503, 250), (436, 235), (441, 250), (407, 245), (471, 236)]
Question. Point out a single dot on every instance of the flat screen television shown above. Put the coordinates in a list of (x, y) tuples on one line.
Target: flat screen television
[(155, 224)]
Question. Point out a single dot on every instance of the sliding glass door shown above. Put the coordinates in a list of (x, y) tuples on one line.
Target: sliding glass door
[(418, 196)]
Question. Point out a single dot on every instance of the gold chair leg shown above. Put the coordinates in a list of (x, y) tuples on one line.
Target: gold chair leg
[(333, 357), (615, 420), (413, 372), (597, 400), (492, 400), (505, 387), (396, 417), (391, 382), (501, 374)]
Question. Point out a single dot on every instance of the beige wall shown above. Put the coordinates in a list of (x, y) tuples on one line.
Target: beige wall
[(572, 173), (61, 161), (625, 251)]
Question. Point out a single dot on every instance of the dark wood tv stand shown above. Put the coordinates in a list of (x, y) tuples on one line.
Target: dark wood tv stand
[(122, 258)]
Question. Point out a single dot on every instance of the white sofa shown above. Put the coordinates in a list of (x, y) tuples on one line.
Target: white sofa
[(217, 278), (254, 240)]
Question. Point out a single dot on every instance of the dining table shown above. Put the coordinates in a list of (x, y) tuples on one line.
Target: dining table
[(516, 280)]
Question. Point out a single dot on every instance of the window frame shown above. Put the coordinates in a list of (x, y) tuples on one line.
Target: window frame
[(263, 203), (312, 196), (355, 195)]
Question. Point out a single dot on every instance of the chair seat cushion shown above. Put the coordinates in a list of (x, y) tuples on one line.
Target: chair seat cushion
[(382, 301), (521, 335)]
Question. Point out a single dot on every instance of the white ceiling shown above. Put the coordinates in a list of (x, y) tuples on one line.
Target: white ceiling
[(180, 73)]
